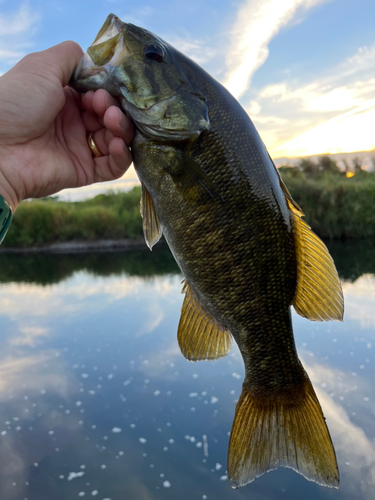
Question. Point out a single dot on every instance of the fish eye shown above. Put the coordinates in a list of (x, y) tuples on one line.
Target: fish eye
[(154, 52)]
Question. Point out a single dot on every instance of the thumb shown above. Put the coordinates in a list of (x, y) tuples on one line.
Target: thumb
[(62, 59)]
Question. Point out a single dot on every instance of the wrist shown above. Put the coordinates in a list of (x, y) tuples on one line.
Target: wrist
[(7, 192), (5, 218)]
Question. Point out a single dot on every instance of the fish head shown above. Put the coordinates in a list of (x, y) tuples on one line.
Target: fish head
[(148, 76)]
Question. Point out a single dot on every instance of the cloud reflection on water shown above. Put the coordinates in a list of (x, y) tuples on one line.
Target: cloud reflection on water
[(67, 343), (37, 372), (359, 300), (354, 448), (30, 335), (77, 293), (30, 426)]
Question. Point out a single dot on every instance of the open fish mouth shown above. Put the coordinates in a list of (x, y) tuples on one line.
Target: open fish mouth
[(101, 57), (111, 27)]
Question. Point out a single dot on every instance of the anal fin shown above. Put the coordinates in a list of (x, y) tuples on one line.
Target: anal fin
[(200, 336), (267, 436)]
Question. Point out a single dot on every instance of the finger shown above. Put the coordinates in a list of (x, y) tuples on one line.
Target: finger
[(119, 124), (87, 101), (91, 121), (62, 59), (101, 101), (120, 157), (115, 165), (102, 139)]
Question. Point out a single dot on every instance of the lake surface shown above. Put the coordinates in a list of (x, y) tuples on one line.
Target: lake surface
[(96, 400)]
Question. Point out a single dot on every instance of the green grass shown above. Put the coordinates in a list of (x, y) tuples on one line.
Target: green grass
[(334, 206), (107, 216)]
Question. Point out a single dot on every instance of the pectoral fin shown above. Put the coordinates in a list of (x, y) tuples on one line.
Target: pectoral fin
[(318, 293), (151, 224), (188, 174), (200, 336)]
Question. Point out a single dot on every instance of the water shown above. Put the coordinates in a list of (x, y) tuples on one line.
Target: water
[(97, 402)]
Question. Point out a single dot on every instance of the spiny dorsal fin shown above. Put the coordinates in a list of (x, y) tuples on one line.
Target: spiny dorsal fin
[(151, 225), (267, 436), (200, 336), (318, 294)]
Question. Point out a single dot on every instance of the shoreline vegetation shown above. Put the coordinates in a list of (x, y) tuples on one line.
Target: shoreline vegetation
[(338, 204), (108, 221)]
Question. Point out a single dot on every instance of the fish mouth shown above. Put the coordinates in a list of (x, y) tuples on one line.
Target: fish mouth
[(112, 26), (87, 76), (101, 57)]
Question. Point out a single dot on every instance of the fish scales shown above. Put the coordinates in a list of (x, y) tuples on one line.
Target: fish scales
[(242, 279), (209, 185)]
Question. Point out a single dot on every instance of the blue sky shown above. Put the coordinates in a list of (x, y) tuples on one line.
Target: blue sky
[(303, 69)]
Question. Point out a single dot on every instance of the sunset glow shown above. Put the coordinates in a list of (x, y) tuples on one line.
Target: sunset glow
[(308, 87)]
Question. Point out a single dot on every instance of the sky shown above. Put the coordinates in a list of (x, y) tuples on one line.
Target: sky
[(304, 70)]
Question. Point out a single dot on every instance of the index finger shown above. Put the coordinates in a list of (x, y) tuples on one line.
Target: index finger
[(119, 124), (101, 100), (63, 58)]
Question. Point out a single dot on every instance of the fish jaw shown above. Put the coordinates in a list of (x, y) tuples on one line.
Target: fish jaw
[(97, 68), (112, 26), (87, 76)]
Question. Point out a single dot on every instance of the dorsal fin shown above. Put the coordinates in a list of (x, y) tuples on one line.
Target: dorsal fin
[(318, 294), (200, 336), (151, 225)]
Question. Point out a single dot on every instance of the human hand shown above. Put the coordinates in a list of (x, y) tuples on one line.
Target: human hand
[(44, 126)]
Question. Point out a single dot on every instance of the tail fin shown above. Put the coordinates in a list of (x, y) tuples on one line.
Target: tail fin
[(265, 437)]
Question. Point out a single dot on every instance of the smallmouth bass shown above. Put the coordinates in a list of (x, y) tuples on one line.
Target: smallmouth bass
[(209, 185)]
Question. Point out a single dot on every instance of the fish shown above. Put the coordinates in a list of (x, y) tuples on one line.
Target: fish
[(246, 254)]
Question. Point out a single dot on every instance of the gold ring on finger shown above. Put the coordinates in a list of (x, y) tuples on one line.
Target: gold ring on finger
[(92, 145)]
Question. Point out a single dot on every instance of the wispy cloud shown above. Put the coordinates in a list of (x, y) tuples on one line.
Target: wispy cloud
[(332, 113), (258, 21), (16, 31), (362, 60), (198, 49), (21, 21), (9, 55), (348, 84), (351, 131), (138, 16)]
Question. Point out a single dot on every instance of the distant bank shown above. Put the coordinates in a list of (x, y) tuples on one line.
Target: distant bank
[(105, 222), (80, 246), (339, 203)]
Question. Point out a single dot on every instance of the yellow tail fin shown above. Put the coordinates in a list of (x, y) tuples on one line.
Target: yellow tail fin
[(267, 436)]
